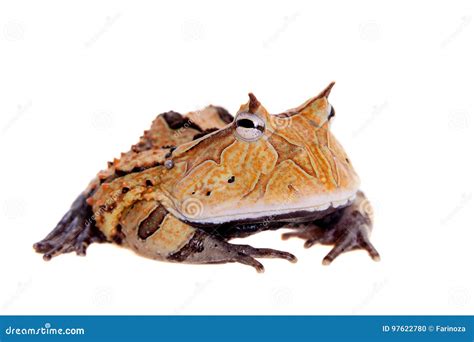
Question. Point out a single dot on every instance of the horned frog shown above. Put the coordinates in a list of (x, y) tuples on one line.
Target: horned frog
[(194, 182)]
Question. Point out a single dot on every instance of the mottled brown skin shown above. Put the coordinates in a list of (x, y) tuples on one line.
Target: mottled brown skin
[(194, 182)]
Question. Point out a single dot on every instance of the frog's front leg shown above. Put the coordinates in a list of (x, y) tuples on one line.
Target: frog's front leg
[(74, 233), (204, 248), (347, 229), (162, 236)]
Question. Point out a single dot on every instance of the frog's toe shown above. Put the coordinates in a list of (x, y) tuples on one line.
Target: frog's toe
[(246, 254), (305, 234), (266, 253), (312, 234), (367, 245), (74, 239), (311, 242), (250, 261), (204, 248), (351, 241), (346, 229), (74, 233)]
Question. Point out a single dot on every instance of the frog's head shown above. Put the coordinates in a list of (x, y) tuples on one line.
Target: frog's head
[(264, 166)]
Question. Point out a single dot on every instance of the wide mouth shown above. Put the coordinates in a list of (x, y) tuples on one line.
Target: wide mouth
[(258, 213)]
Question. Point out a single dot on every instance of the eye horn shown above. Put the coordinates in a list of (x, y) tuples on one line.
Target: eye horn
[(248, 126)]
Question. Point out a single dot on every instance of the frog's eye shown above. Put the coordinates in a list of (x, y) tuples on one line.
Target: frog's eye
[(331, 112), (248, 126)]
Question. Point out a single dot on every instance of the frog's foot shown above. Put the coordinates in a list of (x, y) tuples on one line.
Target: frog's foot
[(206, 249), (347, 229), (75, 232)]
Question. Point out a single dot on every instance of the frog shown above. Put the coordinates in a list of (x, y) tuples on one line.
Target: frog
[(196, 181)]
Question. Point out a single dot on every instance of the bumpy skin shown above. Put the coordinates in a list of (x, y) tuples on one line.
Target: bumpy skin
[(193, 182)]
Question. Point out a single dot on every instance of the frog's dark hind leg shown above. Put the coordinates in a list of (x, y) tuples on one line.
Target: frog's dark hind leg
[(75, 232), (347, 229), (204, 248)]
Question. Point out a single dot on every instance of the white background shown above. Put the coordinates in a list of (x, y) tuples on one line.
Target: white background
[(80, 82)]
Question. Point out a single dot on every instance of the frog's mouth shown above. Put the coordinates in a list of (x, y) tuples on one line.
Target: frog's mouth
[(303, 211)]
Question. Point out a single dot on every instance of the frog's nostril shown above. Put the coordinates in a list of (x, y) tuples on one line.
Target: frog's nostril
[(208, 193), (231, 179)]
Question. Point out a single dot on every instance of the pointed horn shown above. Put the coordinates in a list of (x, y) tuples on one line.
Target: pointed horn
[(253, 103), (327, 90)]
